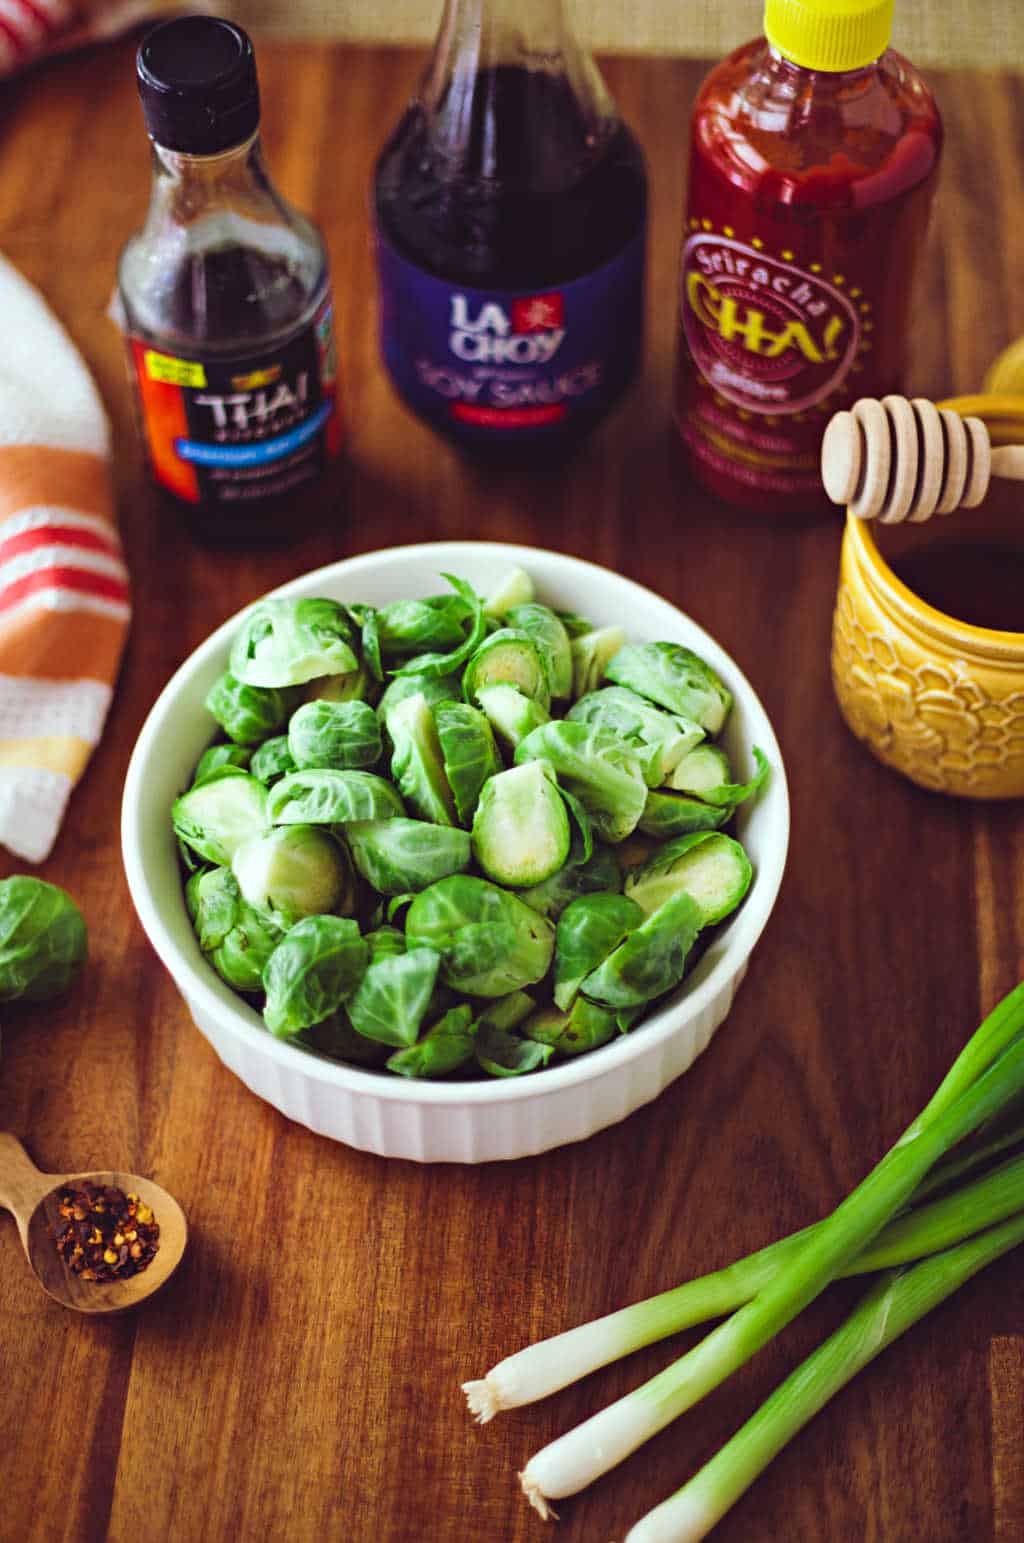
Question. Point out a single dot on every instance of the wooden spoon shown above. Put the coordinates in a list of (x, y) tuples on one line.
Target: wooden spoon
[(33, 1197)]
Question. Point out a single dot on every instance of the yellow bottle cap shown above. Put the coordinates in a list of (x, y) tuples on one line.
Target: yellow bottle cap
[(829, 34)]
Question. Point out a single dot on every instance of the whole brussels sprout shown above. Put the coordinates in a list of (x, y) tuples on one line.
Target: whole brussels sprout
[(327, 797), (674, 677), (246, 713), (288, 642), (314, 969), (398, 856), (43, 939), (490, 942), (340, 735)]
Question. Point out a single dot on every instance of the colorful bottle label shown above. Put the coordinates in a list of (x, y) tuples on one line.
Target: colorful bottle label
[(237, 430), (771, 348), (511, 364)]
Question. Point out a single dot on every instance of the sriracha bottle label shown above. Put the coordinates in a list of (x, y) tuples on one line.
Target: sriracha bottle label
[(242, 428), (500, 363), (765, 334)]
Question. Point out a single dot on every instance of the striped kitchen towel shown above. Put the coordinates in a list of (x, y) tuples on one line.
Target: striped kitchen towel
[(33, 29), (64, 598)]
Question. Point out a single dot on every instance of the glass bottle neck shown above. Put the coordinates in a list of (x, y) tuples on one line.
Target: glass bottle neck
[(526, 32), (230, 169)]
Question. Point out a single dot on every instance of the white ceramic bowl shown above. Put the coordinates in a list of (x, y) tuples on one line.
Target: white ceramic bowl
[(467, 1122)]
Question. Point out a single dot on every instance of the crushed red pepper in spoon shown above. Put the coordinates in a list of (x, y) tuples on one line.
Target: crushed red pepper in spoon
[(106, 1234)]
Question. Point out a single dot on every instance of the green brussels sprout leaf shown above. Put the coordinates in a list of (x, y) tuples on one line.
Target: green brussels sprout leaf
[(588, 930), (216, 756), (669, 814), (342, 736), (674, 677), (447, 663), (314, 969), (652, 960), (600, 873), (391, 999), (490, 942), (502, 1054), (658, 739), (469, 753), (443, 1049), (272, 760), (398, 856), (328, 797), (247, 713)]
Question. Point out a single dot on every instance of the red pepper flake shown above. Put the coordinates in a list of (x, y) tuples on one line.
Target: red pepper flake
[(105, 1234)]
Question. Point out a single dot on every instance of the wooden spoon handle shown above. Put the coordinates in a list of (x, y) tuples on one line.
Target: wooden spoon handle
[(22, 1186), (1008, 461)]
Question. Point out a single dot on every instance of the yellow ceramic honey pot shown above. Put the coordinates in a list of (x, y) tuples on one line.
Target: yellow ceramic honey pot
[(938, 698)]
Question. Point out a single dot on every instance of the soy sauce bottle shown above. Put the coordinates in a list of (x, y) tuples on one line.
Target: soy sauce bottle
[(511, 207), (226, 301)]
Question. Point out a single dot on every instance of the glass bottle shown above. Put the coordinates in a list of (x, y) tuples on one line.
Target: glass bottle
[(226, 300), (510, 208), (813, 160)]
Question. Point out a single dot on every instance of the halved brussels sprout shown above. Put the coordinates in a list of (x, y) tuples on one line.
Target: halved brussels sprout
[(708, 777), (272, 760), (332, 798), (218, 814), (469, 753), (212, 899), (398, 856), (510, 714), (584, 1028), (490, 942), (591, 652), (448, 663), (508, 658), (288, 642), (343, 736), (43, 939), (392, 998), (314, 969), (502, 1054), (659, 740), (417, 764), (708, 865), (513, 588), (588, 930), (294, 871), (246, 713), (521, 829), (216, 756), (604, 776), (443, 1049), (652, 960), (668, 814), (541, 624), (676, 678), (601, 873)]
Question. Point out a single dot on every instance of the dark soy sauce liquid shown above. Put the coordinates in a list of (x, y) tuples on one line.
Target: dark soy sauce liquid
[(536, 196), (981, 585)]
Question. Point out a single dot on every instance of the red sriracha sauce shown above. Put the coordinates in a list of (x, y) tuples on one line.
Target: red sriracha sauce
[(814, 155)]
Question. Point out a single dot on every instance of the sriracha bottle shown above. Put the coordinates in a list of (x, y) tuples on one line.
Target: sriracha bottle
[(511, 211), (813, 158)]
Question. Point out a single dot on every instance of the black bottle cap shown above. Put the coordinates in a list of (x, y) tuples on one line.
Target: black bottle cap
[(197, 81)]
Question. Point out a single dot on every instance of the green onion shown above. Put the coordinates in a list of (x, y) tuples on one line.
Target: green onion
[(896, 1301), (956, 1110), (554, 1363)]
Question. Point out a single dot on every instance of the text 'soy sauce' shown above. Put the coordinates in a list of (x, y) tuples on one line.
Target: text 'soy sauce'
[(814, 153)]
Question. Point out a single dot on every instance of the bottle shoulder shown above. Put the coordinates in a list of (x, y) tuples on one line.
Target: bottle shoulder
[(804, 136)]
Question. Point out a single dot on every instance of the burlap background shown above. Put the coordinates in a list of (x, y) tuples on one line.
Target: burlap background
[(948, 33)]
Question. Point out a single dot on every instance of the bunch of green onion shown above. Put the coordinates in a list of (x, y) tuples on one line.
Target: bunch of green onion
[(944, 1202)]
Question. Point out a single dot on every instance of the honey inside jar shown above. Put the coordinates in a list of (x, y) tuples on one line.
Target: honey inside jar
[(970, 564)]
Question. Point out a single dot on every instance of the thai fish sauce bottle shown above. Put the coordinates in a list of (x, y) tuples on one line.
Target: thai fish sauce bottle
[(226, 300), (510, 210), (813, 158)]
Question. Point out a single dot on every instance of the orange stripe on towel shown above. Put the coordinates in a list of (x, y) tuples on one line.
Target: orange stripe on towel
[(38, 475), (65, 645)]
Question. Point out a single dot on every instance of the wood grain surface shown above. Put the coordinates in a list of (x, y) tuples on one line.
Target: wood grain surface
[(299, 1378)]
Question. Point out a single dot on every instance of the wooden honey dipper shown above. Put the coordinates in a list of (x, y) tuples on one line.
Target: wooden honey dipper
[(899, 459)]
